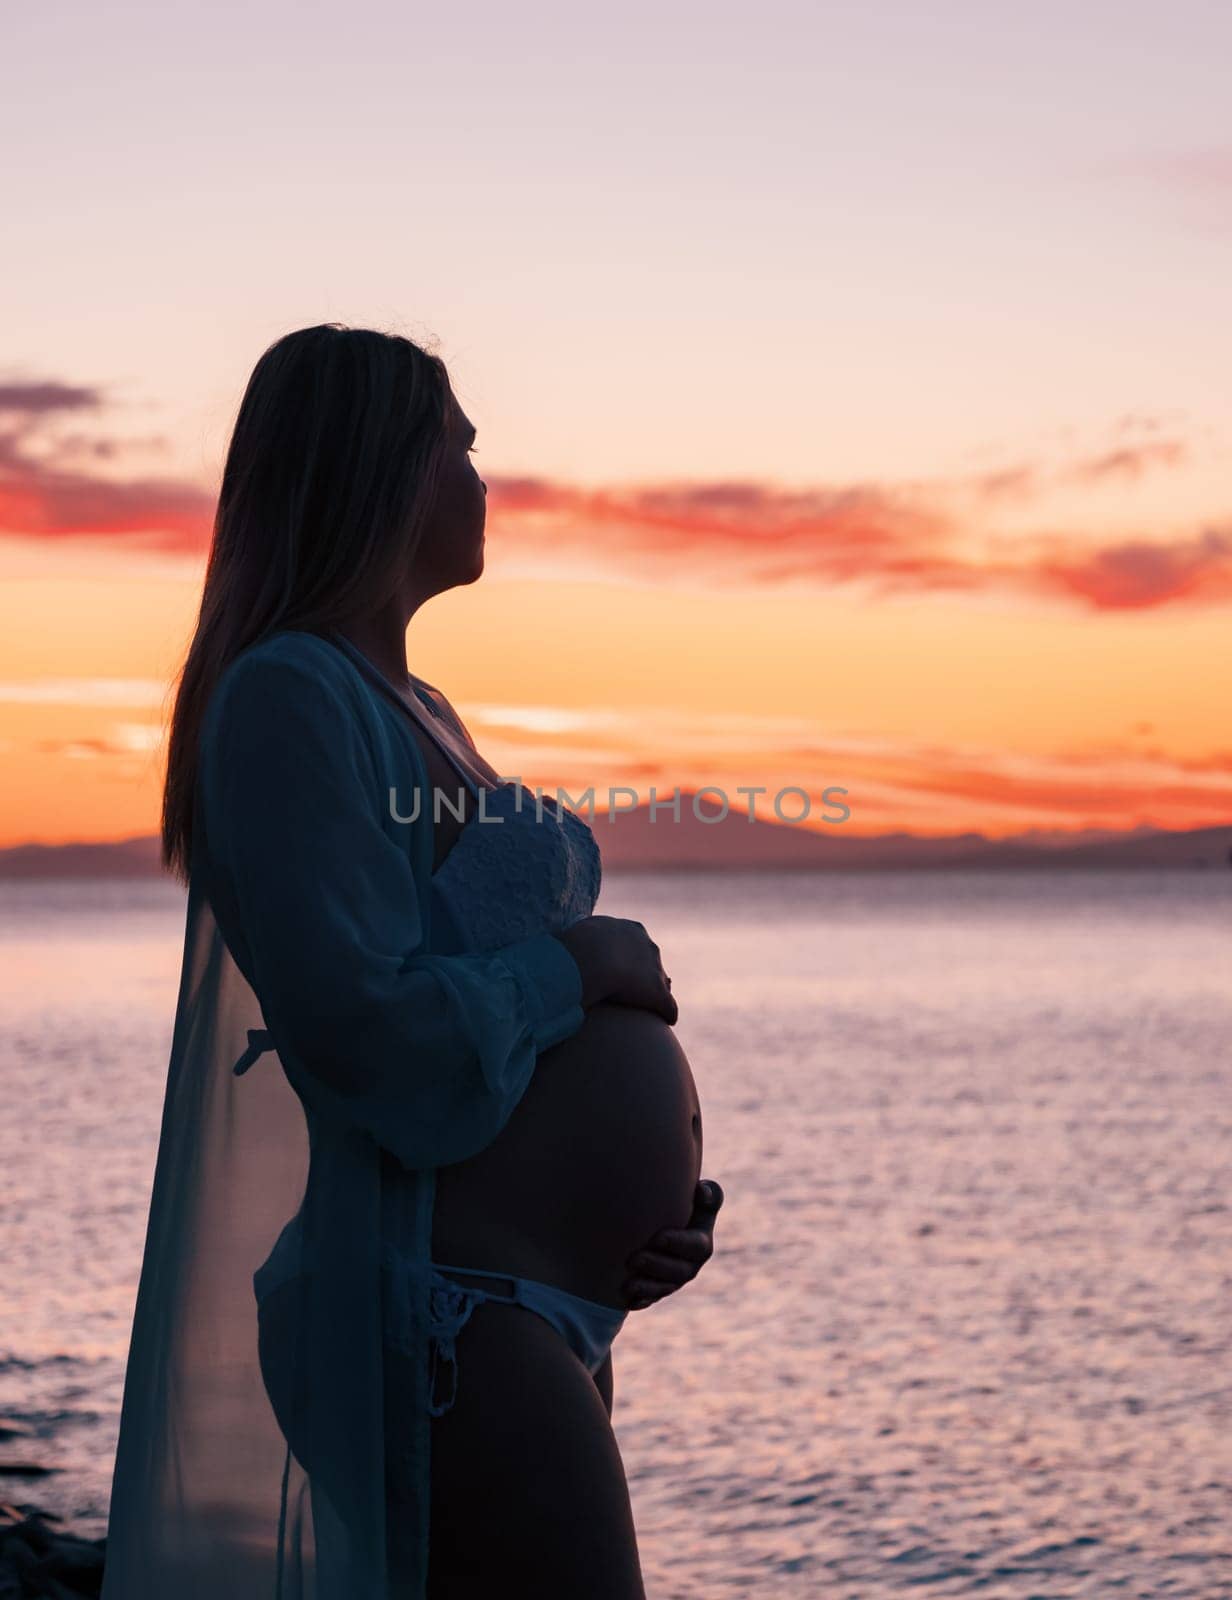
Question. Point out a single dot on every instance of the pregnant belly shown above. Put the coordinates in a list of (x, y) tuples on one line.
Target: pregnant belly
[(603, 1149)]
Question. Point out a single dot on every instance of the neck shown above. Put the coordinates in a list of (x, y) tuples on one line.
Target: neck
[(382, 638)]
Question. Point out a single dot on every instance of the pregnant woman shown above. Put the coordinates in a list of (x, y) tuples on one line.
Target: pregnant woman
[(428, 1132)]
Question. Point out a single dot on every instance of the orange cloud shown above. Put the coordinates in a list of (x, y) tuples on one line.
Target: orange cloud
[(925, 782), (1102, 793)]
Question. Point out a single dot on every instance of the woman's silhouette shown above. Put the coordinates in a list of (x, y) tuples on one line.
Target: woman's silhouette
[(428, 1132)]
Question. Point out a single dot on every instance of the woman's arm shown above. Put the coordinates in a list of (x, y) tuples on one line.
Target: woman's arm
[(428, 1053)]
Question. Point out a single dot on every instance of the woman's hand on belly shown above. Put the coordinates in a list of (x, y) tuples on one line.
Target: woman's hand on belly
[(675, 1256), (620, 962)]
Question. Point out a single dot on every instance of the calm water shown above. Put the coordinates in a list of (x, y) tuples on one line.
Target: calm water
[(968, 1329)]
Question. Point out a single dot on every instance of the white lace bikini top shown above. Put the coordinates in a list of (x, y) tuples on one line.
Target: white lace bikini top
[(535, 870)]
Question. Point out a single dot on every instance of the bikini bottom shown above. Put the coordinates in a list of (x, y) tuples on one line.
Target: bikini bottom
[(587, 1327)]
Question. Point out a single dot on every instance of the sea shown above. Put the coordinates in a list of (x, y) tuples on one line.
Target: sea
[(968, 1325)]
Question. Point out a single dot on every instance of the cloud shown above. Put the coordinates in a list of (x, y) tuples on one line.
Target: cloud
[(1147, 422), (1110, 785), (743, 532), (126, 739), (893, 539), (1139, 573), (83, 691), (1108, 780), (29, 400), (1130, 461), (1017, 482), (44, 495), (156, 513), (1127, 463), (1097, 792)]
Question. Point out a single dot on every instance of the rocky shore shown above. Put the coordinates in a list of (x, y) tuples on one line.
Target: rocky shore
[(39, 1558), (41, 1561)]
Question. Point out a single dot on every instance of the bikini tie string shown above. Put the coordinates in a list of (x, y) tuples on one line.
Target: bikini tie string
[(259, 1041), (450, 1307)]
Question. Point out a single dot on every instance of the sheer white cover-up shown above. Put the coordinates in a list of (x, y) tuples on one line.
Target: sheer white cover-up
[(308, 933)]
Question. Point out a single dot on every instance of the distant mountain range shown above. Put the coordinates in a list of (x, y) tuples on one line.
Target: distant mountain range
[(632, 841)]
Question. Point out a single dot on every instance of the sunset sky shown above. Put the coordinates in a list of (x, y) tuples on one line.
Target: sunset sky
[(853, 383)]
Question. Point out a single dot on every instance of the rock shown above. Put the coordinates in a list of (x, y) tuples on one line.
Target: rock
[(39, 1563), (25, 1469), (75, 1560), (19, 1554)]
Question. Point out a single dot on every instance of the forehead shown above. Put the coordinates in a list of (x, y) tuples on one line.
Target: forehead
[(459, 422)]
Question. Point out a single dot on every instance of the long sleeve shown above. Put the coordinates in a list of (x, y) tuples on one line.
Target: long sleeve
[(428, 1053)]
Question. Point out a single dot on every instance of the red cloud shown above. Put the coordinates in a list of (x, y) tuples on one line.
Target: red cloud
[(748, 533), (1129, 576), (42, 497), (735, 531), (50, 504), (892, 539)]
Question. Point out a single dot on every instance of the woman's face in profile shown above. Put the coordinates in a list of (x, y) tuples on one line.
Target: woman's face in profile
[(450, 550)]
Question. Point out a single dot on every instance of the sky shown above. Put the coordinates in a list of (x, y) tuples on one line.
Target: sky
[(852, 384)]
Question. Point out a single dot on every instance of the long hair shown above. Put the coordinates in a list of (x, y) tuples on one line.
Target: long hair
[(331, 472)]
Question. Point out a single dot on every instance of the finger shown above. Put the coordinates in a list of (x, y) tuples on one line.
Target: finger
[(639, 1293), (664, 1269), (708, 1196), (701, 1218), (690, 1244)]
